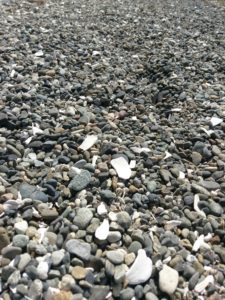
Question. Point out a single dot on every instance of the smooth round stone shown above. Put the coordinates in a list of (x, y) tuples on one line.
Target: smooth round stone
[(57, 257), (20, 240), (168, 280), (151, 296), (80, 181), (35, 289), (134, 247), (11, 252), (116, 256), (26, 190), (67, 282), (127, 294), (79, 272), (114, 236), (23, 261), (139, 291), (210, 185), (83, 217), (129, 258), (52, 237), (107, 195), (21, 227), (79, 248), (124, 219)]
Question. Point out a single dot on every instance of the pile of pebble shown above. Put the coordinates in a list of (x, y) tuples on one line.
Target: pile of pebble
[(112, 150)]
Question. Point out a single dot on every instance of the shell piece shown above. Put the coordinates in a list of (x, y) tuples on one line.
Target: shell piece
[(203, 284), (215, 121), (196, 208), (141, 269), (200, 243), (89, 141), (101, 209), (122, 167), (36, 129), (102, 231)]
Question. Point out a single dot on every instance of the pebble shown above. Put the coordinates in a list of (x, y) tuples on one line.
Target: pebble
[(168, 280), (116, 256), (80, 181), (83, 217), (79, 248)]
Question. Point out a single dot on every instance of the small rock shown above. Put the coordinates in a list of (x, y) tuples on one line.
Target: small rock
[(80, 181), (124, 219), (20, 240), (83, 217), (4, 238), (79, 272), (168, 280), (79, 248), (116, 256)]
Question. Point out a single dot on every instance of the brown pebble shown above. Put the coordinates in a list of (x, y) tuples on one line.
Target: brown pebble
[(4, 238), (63, 295), (79, 272)]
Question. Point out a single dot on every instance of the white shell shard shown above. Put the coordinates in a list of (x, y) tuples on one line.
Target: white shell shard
[(122, 167), (200, 287), (36, 129), (94, 160), (139, 150), (141, 269), (200, 243), (89, 141), (27, 141), (39, 53), (215, 121), (132, 164), (42, 270), (196, 208), (102, 231), (101, 209), (41, 233), (167, 155), (208, 132)]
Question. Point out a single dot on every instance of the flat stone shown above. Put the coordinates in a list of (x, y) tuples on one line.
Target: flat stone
[(11, 252), (99, 292), (116, 256), (24, 261), (168, 280), (210, 185), (79, 248), (83, 217), (57, 257), (80, 181)]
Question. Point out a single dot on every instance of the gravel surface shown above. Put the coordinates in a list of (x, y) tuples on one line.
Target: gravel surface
[(112, 150)]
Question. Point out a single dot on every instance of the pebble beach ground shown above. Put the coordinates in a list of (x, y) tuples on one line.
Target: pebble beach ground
[(112, 150)]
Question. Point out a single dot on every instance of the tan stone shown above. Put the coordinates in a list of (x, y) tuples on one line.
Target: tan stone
[(79, 272)]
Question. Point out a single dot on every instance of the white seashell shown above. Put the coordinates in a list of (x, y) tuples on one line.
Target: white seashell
[(101, 209), (139, 150), (39, 53), (141, 269), (42, 270), (41, 232), (216, 121), (181, 175), (89, 141), (36, 129), (167, 155), (200, 243), (27, 141), (200, 287), (208, 132), (132, 164), (94, 160), (102, 231), (122, 167), (196, 208), (112, 216)]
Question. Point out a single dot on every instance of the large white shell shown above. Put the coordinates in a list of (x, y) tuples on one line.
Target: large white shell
[(141, 269), (89, 141), (122, 167), (102, 231)]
